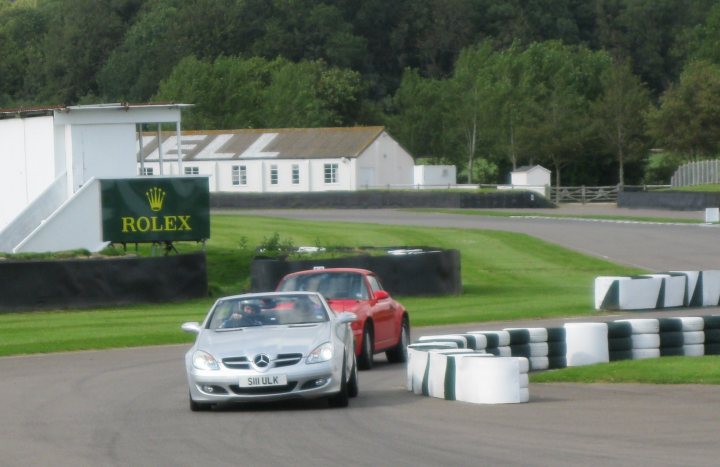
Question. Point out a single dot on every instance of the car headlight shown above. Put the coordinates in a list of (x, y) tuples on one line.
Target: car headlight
[(322, 353), (204, 361)]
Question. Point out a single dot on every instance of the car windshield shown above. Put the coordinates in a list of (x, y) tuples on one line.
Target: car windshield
[(240, 312), (333, 285)]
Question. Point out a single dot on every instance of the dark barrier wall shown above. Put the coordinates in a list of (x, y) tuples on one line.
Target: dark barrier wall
[(675, 200), (429, 273), (380, 199), (34, 285)]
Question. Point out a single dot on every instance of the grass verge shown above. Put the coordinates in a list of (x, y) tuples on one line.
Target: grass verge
[(665, 370)]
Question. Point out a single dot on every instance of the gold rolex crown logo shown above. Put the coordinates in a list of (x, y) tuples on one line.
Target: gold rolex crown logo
[(156, 197)]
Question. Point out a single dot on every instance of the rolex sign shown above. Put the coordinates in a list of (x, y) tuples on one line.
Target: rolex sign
[(155, 209)]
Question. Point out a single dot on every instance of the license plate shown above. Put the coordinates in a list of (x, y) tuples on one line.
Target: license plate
[(262, 381)]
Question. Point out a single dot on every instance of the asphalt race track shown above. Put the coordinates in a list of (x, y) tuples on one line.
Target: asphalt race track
[(128, 407)]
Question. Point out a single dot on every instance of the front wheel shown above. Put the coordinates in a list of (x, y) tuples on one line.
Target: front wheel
[(342, 398), (353, 388), (398, 354), (367, 349), (198, 406)]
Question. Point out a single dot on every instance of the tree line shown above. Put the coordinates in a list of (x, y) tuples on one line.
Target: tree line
[(599, 91)]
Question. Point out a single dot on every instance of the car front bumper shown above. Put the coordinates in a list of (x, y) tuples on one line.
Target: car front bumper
[(306, 381)]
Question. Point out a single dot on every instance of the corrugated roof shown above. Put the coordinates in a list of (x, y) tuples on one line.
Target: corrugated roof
[(280, 143)]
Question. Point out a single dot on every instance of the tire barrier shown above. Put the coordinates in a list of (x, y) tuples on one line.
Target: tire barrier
[(682, 336), (658, 291), (531, 343), (712, 335), (477, 366), (94, 282), (645, 337), (587, 343), (398, 273), (467, 375), (497, 342)]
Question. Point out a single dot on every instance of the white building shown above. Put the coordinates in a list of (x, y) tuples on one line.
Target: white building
[(282, 160), (530, 178), (52, 158), (435, 176), (536, 175)]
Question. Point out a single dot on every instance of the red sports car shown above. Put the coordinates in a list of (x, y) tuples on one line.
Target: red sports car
[(383, 324)]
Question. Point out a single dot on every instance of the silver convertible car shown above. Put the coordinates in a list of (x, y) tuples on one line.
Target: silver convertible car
[(269, 346)]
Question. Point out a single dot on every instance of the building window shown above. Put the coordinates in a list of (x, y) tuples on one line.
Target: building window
[(273, 174), (331, 173), (192, 171), (295, 174), (146, 171), (239, 175)]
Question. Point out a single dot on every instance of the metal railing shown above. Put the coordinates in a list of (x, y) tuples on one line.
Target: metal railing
[(697, 173)]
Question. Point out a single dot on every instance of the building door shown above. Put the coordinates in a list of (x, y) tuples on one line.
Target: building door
[(366, 177)]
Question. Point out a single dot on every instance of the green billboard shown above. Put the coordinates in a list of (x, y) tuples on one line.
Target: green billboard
[(155, 209)]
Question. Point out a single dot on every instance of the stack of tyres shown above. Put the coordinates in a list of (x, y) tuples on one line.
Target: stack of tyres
[(557, 348), (497, 342), (712, 335), (671, 337), (620, 342), (645, 337), (530, 343)]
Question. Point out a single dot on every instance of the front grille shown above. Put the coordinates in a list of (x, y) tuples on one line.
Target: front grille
[(263, 389), (243, 363), (237, 363), (287, 359)]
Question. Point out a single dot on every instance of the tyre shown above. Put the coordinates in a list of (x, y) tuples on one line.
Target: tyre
[(198, 406), (342, 398), (367, 349), (398, 354), (353, 388)]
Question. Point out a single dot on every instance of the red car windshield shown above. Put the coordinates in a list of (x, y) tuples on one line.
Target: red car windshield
[(333, 285)]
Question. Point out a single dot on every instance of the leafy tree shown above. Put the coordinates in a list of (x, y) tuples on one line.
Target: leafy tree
[(135, 68), (564, 81), (688, 119), (474, 100), (80, 36), (21, 30), (256, 93), (421, 118), (619, 114)]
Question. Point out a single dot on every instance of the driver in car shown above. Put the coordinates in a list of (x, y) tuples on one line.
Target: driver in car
[(248, 315)]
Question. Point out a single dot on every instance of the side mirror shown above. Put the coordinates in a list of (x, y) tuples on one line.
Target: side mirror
[(381, 295), (192, 327), (346, 317)]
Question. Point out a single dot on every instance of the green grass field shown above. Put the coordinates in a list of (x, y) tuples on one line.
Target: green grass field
[(505, 276)]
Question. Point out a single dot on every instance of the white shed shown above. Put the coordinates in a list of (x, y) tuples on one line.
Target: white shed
[(282, 160), (435, 176), (51, 158), (536, 175)]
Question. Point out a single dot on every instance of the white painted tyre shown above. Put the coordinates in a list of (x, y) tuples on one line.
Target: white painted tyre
[(646, 341), (693, 338), (539, 363), (692, 323), (695, 350), (642, 325), (639, 354), (536, 334)]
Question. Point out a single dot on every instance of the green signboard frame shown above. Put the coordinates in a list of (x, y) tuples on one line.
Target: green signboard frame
[(148, 210)]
